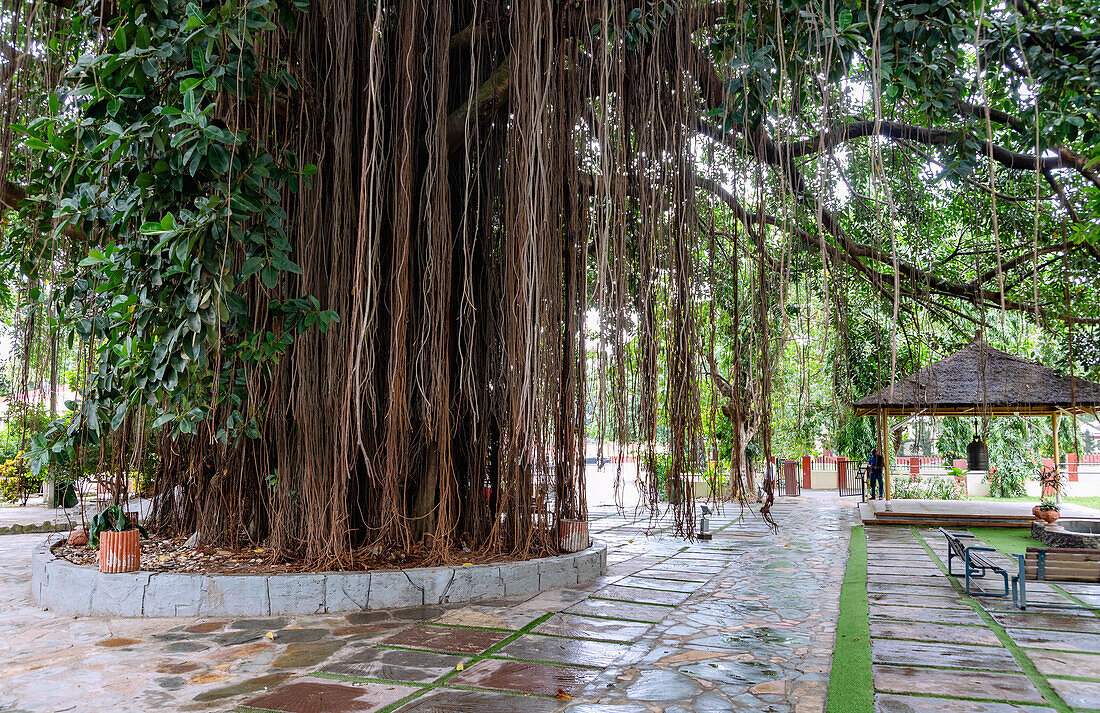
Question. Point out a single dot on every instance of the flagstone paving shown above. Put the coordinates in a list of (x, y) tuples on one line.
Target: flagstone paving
[(936, 649), (744, 622)]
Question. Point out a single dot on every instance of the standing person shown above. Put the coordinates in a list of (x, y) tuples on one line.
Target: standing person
[(877, 463), (769, 480)]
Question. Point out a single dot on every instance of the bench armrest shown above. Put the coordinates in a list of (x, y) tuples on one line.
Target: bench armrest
[(975, 548), (956, 535)]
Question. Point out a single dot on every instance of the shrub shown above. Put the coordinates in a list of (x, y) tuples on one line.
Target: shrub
[(932, 488), (24, 422), (17, 483)]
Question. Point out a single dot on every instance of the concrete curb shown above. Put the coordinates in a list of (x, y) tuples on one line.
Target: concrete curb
[(67, 588), (46, 527)]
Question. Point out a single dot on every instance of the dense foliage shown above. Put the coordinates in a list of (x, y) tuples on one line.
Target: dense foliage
[(349, 267)]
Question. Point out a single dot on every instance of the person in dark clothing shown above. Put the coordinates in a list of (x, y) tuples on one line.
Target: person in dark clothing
[(877, 464)]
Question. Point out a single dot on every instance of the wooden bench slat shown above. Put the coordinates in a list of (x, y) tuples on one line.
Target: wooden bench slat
[(1062, 565), (1063, 551), (1084, 559), (1084, 578), (1057, 568), (1051, 573)]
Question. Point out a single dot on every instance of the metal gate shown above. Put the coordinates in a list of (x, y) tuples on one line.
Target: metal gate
[(851, 478), (789, 479)]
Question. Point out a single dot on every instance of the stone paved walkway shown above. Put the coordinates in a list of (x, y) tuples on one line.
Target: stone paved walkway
[(744, 622), (937, 650)]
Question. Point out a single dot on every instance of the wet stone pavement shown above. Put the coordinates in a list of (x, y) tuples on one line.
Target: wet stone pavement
[(743, 622), (936, 650)]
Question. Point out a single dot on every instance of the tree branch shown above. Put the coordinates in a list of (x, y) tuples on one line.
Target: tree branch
[(922, 135), (490, 96)]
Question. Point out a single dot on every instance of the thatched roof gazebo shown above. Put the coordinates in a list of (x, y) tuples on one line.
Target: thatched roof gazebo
[(979, 380)]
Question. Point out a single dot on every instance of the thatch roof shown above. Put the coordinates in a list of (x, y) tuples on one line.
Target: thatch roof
[(979, 379)]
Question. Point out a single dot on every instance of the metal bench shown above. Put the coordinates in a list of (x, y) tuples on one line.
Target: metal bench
[(1054, 565), (975, 564)]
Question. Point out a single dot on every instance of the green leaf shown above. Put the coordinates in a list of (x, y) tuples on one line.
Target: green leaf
[(198, 61), (270, 277), (251, 266), (281, 262), (188, 84), (152, 229), (120, 414), (162, 419), (219, 159)]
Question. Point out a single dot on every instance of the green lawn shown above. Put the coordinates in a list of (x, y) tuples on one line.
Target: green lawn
[(1009, 540), (1090, 502)]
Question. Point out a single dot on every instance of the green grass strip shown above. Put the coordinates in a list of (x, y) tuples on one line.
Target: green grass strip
[(1009, 540), (851, 686), (1073, 598), (1045, 689)]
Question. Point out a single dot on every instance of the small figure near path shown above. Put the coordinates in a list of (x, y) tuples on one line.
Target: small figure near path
[(876, 465)]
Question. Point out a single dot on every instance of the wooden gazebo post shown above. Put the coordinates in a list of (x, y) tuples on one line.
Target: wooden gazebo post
[(1057, 459), (882, 425)]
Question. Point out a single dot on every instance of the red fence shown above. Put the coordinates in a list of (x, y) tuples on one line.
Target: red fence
[(914, 466)]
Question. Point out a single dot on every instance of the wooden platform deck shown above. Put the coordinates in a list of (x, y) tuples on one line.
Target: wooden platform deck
[(960, 513)]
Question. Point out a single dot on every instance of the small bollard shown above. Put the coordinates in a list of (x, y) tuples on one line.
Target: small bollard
[(704, 525)]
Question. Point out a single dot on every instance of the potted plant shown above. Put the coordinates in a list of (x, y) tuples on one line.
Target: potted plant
[(116, 535), (1051, 480), (1048, 510)]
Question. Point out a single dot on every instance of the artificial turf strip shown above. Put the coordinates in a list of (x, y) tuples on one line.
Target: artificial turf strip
[(1009, 540), (1026, 664), (851, 686)]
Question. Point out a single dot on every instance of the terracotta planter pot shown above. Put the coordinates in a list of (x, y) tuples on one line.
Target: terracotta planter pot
[(119, 551), (1052, 516), (573, 535), (1037, 513)]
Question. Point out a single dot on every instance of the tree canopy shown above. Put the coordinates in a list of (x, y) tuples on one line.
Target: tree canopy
[(357, 270)]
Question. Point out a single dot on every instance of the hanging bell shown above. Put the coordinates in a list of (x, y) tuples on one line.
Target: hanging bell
[(977, 456)]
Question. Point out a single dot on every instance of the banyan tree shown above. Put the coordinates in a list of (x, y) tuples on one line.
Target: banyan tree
[(356, 270)]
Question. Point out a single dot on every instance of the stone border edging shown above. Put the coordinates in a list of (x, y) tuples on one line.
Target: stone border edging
[(61, 586), (46, 527), (1057, 536)]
